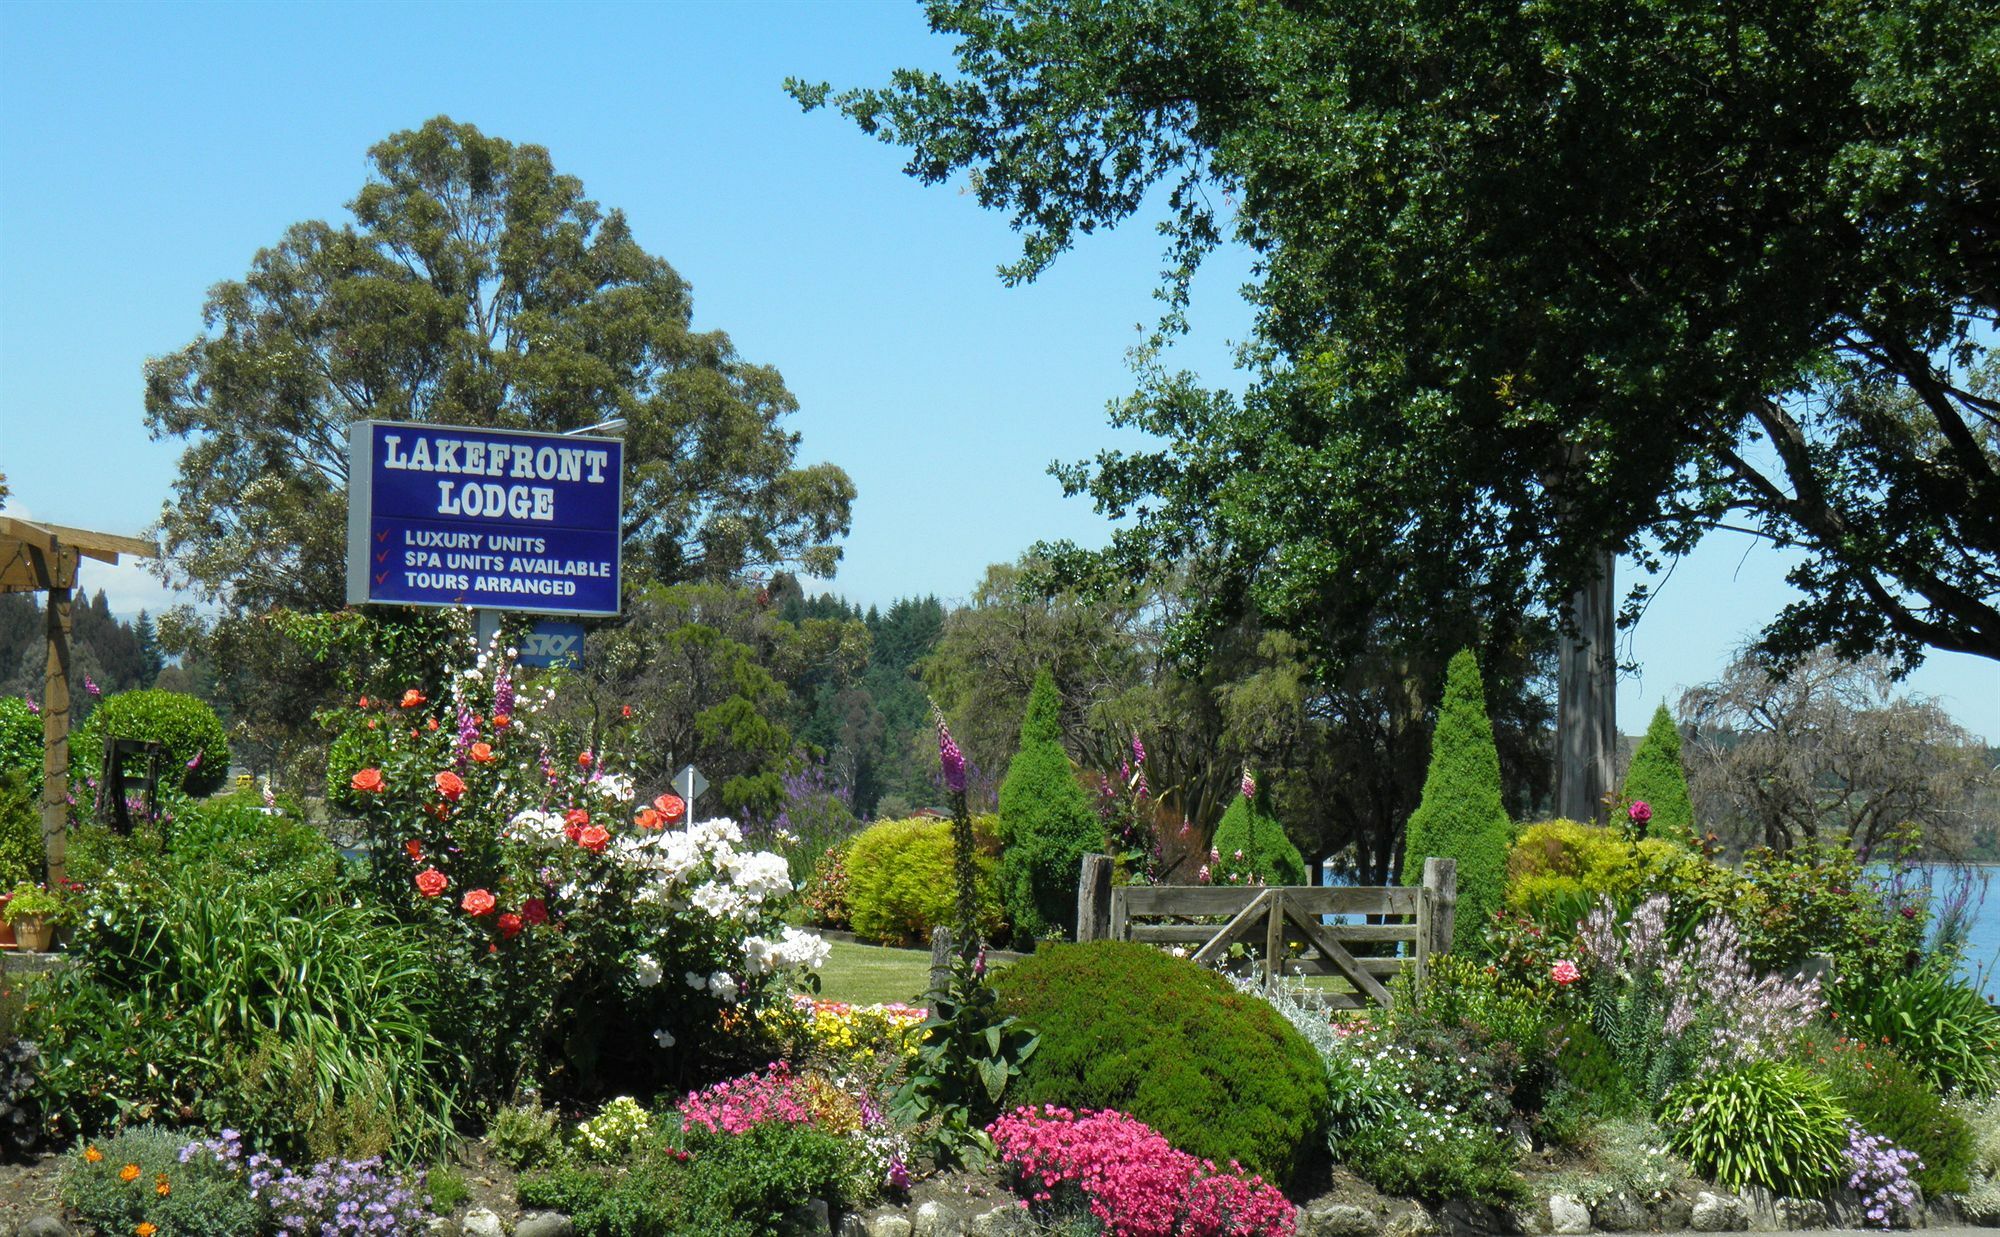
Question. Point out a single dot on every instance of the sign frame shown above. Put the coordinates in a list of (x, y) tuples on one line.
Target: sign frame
[(361, 511)]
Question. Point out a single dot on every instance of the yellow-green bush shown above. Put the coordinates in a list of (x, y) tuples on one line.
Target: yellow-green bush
[(1564, 865), (901, 883)]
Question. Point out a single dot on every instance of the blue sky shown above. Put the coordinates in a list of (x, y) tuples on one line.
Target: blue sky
[(148, 150)]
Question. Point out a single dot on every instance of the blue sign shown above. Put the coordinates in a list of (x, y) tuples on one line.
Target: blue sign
[(553, 644), (444, 515)]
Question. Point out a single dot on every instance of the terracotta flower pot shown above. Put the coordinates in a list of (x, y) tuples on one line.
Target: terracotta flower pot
[(6, 934), (34, 933)]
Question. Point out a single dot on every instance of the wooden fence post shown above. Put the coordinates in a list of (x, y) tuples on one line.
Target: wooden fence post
[(1093, 899), (1274, 943), (1436, 902), (940, 960)]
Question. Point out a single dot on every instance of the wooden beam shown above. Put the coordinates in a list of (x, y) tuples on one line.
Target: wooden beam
[(1234, 929), (55, 739), (1319, 938), (103, 546)]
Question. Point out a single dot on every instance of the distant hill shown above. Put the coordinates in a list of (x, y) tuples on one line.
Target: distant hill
[(115, 655)]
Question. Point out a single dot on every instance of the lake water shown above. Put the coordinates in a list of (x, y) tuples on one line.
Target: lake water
[(1982, 943)]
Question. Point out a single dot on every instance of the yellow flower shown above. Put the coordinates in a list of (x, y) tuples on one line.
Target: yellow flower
[(92, 1155), (145, 1229), (129, 1173)]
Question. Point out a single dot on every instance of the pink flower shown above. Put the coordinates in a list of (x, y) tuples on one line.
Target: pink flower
[(1565, 973), (1249, 785), (1203, 876), (1640, 811)]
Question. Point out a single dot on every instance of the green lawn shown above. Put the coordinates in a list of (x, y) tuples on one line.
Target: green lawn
[(869, 974)]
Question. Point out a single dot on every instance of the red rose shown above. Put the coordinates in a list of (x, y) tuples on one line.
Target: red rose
[(477, 902), (450, 785), (576, 816), (432, 724), (483, 753), (593, 839), (368, 781), (361, 703), (670, 806), (415, 849), (510, 925), (413, 698), (371, 723), (649, 819), (534, 910), (501, 721), (585, 759), (626, 710), (431, 882)]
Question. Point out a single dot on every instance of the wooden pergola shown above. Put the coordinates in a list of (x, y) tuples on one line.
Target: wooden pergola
[(42, 558)]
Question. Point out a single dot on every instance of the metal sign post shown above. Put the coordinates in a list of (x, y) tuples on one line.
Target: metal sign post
[(688, 784)]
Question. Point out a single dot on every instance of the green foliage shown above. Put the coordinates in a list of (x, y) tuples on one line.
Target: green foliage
[(1047, 824), (1658, 778), (200, 1196), (1626, 1156), (448, 1188), (1523, 1022), (185, 724), (1941, 1026), (1220, 1074), (699, 1184), (1820, 898), (21, 850), (20, 738), (1461, 816), (824, 895), (526, 1135), (305, 1021), (1887, 1098), (972, 1052), (1268, 856), (900, 882), (1770, 1124)]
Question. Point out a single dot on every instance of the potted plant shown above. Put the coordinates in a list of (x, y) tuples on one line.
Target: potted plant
[(6, 928), (34, 912)]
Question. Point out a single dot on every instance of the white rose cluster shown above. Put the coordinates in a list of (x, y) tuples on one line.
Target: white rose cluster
[(792, 950)]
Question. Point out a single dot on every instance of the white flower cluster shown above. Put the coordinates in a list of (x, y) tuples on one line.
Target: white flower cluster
[(538, 827), (793, 950)]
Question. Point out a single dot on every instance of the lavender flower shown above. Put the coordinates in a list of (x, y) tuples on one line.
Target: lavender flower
[(468, 734), (503, 691), (1880, 1171)]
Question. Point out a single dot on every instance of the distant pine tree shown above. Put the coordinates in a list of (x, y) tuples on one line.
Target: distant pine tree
[(1047, 823), (152, 658), (1658, 779), (1267, 855), (1461, 815)]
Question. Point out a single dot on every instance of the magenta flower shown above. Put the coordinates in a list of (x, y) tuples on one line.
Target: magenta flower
[(194, 762), (1249, 785), (1640, 811), (32, 706), (90, 685), (949, 756)]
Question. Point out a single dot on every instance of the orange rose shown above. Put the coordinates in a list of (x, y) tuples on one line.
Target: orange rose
[(450, 785), (670, 806), (432, 724), (431, 882), (415, 849), (649, 819), (361, 703), (413, 699), (576, 816), (371, 723), (593, 839), (483, 753), (477, 902), (501, 721), (368, 781), (585, 759)]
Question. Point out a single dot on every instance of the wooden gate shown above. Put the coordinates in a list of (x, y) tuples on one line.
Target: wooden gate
[(1274, 918)]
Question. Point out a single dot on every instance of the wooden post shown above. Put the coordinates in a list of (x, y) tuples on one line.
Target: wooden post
[(1436, 905), (940, 960), (1093, 899), (1274, 942), (1120, 920), (55, 730)]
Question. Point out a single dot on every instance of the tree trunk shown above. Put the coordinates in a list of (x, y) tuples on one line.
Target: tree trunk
[(1587, 699)]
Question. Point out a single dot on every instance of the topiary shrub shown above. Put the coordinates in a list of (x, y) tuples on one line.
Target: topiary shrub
[(1659, 780), (901, 882), (20, 737), (1047, 824), (1217, 1072), (1769, 1124), (1251, 847), (197, 747), (1461, 816)]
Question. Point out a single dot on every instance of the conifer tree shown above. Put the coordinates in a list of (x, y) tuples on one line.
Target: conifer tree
[(1461, 815), (1659, 780), (1250, 846), (1047, 823)]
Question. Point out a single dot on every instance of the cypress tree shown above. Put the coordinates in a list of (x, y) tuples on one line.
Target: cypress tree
[(1047, 824), (1268, 855), (1658, 778), (1461, 815)]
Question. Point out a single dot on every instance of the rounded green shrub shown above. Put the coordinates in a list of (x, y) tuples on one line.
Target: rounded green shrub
[(185, 724), (1219, 1073), (1659, 780), (1252, 848), (1461, 815), (20, 737), (1769, 1124), (1047, 823), (1558, 870), (901, 882)]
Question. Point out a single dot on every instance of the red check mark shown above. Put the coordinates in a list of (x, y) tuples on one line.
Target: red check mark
[(383, 557), (382, 577), (383, 535)]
